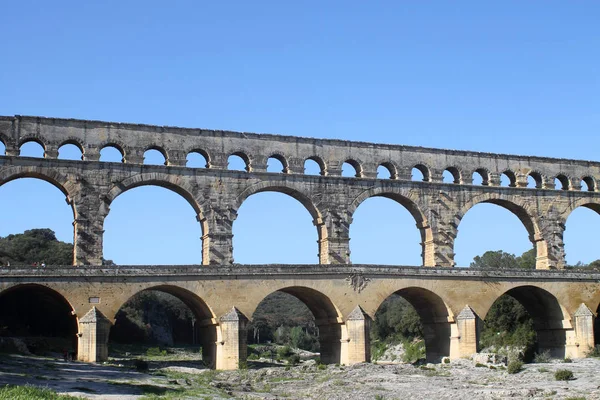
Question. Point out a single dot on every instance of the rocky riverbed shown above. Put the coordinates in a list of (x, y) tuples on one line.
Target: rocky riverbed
[(182, 379)]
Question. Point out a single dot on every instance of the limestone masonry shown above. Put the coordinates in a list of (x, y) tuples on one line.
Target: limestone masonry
[(452, 303)]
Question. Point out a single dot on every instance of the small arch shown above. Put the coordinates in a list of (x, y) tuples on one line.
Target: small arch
[(351, 168), (155, 155), (314, 166), (327, 319), (452, 175), (420, 172), (561, 182), (197, 159), (535, 180), (2, 147), (112, 152), (481, 176), (238, 161), (277, 163), (588, 184), (508, 179), (435, 317), (32, 147), (387, 170), (70, 151)]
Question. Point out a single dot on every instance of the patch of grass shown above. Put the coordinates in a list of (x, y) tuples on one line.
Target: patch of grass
[(564, 375), (542, 358), (514, 367), (567, 360), (543, 370), (594, 351), (156, 352), (480, 365), (28, 392)]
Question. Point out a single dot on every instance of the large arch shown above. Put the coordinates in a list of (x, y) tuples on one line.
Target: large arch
[(305, 201), (436, 318), (42, 317), (548, 317), (327, 318), (428, 246), (580, 243), (164, 182), (205, 325), (524, 216)]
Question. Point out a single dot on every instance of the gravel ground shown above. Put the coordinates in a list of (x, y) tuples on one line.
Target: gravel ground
[(175, 379)]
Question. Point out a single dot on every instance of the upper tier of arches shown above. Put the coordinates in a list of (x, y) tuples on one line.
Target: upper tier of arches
[(289, 155)]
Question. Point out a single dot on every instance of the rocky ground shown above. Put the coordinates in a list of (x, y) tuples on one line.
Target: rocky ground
[(186, 378)]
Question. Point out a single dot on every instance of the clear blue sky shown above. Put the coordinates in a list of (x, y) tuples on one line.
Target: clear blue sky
[(512, 76)]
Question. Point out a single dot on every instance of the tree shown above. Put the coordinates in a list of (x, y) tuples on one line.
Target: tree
[(35, 246)]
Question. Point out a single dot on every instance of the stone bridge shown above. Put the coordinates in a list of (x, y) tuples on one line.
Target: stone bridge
[(445, 297)]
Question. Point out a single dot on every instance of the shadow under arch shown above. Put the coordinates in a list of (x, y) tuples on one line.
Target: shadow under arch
[(427, 244), (327, 318), (37, 311), (547, 314), (205, 324), (528, 221), (307, 202), (436, 318)]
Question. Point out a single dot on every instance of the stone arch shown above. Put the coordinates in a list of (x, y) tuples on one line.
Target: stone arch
[(75, 142), (244, 156), (436, 318), (522, 212), (356, 164), (592, 204), (206, 328), (512, 177), (547, 313), (306, 201), (161, 150), (590, 182), (538, 178), (456, 174), (42, 311), (425, 170), (485, 175), (282, 159), (403, 198), (33, 138), (391, 167), (564, 180), (320, 162), (327, 318), (116, 145), (202, 152)]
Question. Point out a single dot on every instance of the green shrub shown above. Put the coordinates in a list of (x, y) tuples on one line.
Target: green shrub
[(480, 365), (542, 358), (253, 356), (514, 367), (9, 392), (321, 367), (140, 365), (567, 360), (414, 351), (284, 352), (446, 360), (563, 375), (594, 351), (294, 359), (155, 352)]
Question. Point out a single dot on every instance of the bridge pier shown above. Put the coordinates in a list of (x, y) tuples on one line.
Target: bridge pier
[(584, 340), (356, 343), (232, 340), (464, 341), (92, 343), (330, 342)]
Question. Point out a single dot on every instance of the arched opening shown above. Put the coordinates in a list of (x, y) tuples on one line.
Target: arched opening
[(420, 173), (166, 317), (415, 320), (274, 227), (32, 148), (588, 184), (581, 247), (383, 232), (152, 225), (277, 163), (155, 156), (314, 166), (39, 227), (238, 162), (2, 148), (386, 171), (351, 168), (528, 319), (300, 318), (534, 180), (508, 179), (451, 175), (481, 177), (112, 153), (70, 151), (493, 234), (561, 182), (40, 318), (197, 159)]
